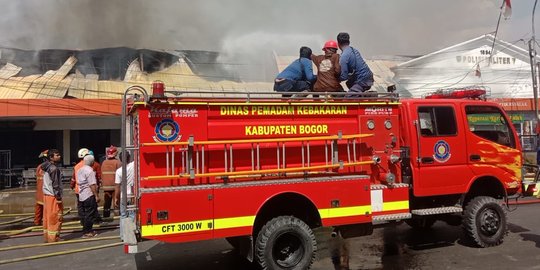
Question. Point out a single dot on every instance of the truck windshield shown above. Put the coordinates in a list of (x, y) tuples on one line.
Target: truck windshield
[(489, 123)]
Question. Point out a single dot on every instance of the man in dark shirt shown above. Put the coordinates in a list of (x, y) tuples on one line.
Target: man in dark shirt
[(298, 76), (354, 69)]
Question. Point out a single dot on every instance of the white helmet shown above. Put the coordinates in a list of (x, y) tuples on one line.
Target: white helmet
[(83, 152)]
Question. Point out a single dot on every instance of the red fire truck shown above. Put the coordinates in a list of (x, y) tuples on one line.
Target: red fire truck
[(264, 171)]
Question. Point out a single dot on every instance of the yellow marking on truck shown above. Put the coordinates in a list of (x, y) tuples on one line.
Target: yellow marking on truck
[(295, 103), (327, 109), (197, 226), (345, 211), (286, 129), (398, 205), (173, 228), (235, 222), (247, 221), (321, 110)]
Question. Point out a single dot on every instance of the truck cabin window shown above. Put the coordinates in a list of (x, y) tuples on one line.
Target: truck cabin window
[(489, 123), (437, 121)]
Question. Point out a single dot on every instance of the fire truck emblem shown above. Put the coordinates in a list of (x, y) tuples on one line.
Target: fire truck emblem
[(441, 151), (167, 131)]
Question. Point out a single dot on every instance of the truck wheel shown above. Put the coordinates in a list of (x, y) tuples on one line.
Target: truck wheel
[(420, 223), (484, 221), (285, 242)]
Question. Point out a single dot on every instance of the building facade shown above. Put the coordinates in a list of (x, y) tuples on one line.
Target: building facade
[(501, 68)]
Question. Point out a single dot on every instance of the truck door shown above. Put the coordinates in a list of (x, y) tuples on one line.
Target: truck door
[(493, 148), (441, 161)]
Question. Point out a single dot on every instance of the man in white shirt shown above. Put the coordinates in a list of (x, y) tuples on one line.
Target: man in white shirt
[(130, 177), (88, 196)]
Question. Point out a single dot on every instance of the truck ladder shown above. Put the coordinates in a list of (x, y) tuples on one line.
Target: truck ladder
[(193, 157)]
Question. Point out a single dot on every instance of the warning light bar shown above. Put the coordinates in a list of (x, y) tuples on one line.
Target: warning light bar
[(458, 94)]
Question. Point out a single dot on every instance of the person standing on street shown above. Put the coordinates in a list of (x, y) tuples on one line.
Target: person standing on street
[(38, 209), (130, 178), (88, 196), (354, 69), (108, 171), (97, 169), (73, 184), (52, 196)]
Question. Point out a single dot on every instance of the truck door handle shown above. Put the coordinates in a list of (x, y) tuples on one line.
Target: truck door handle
[(428, 160), (474, 157)]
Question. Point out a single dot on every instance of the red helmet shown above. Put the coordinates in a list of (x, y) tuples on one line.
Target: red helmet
[(330, 44), (111, 151)]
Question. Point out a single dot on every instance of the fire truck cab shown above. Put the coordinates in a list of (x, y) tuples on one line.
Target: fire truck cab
[(263, 171)]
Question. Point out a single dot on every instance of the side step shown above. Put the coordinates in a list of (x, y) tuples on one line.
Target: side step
[(390, 217), (437, 211)]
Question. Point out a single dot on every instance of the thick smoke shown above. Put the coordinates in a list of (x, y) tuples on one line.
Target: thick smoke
[(376, 27)]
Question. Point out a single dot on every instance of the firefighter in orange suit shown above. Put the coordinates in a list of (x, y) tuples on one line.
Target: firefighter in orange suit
[(38, 211), (108, 171), (52, 197)]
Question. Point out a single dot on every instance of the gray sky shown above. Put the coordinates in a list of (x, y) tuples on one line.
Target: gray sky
[(377, 27)]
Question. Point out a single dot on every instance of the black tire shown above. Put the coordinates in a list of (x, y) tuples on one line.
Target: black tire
[(485, 221), (285, 242), (421, 223)]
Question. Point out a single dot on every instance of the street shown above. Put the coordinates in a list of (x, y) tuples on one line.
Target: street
[(397, 247)]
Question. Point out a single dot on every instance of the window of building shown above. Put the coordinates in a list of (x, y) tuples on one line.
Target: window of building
[(437, 121)]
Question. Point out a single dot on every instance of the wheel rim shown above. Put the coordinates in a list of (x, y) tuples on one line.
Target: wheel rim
[(288, 250), (490, 221)]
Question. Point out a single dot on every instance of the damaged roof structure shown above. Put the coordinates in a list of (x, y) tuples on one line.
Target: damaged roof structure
[(107, 73)]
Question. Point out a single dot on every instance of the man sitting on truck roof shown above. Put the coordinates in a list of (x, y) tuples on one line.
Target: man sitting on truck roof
[(328, 69), (354, 69), (298, 76)]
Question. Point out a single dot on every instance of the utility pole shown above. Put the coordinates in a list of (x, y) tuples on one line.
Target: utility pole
[(532, 55)]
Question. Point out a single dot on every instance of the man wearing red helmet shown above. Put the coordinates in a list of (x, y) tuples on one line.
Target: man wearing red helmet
[(328, 69), (108, 171)]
